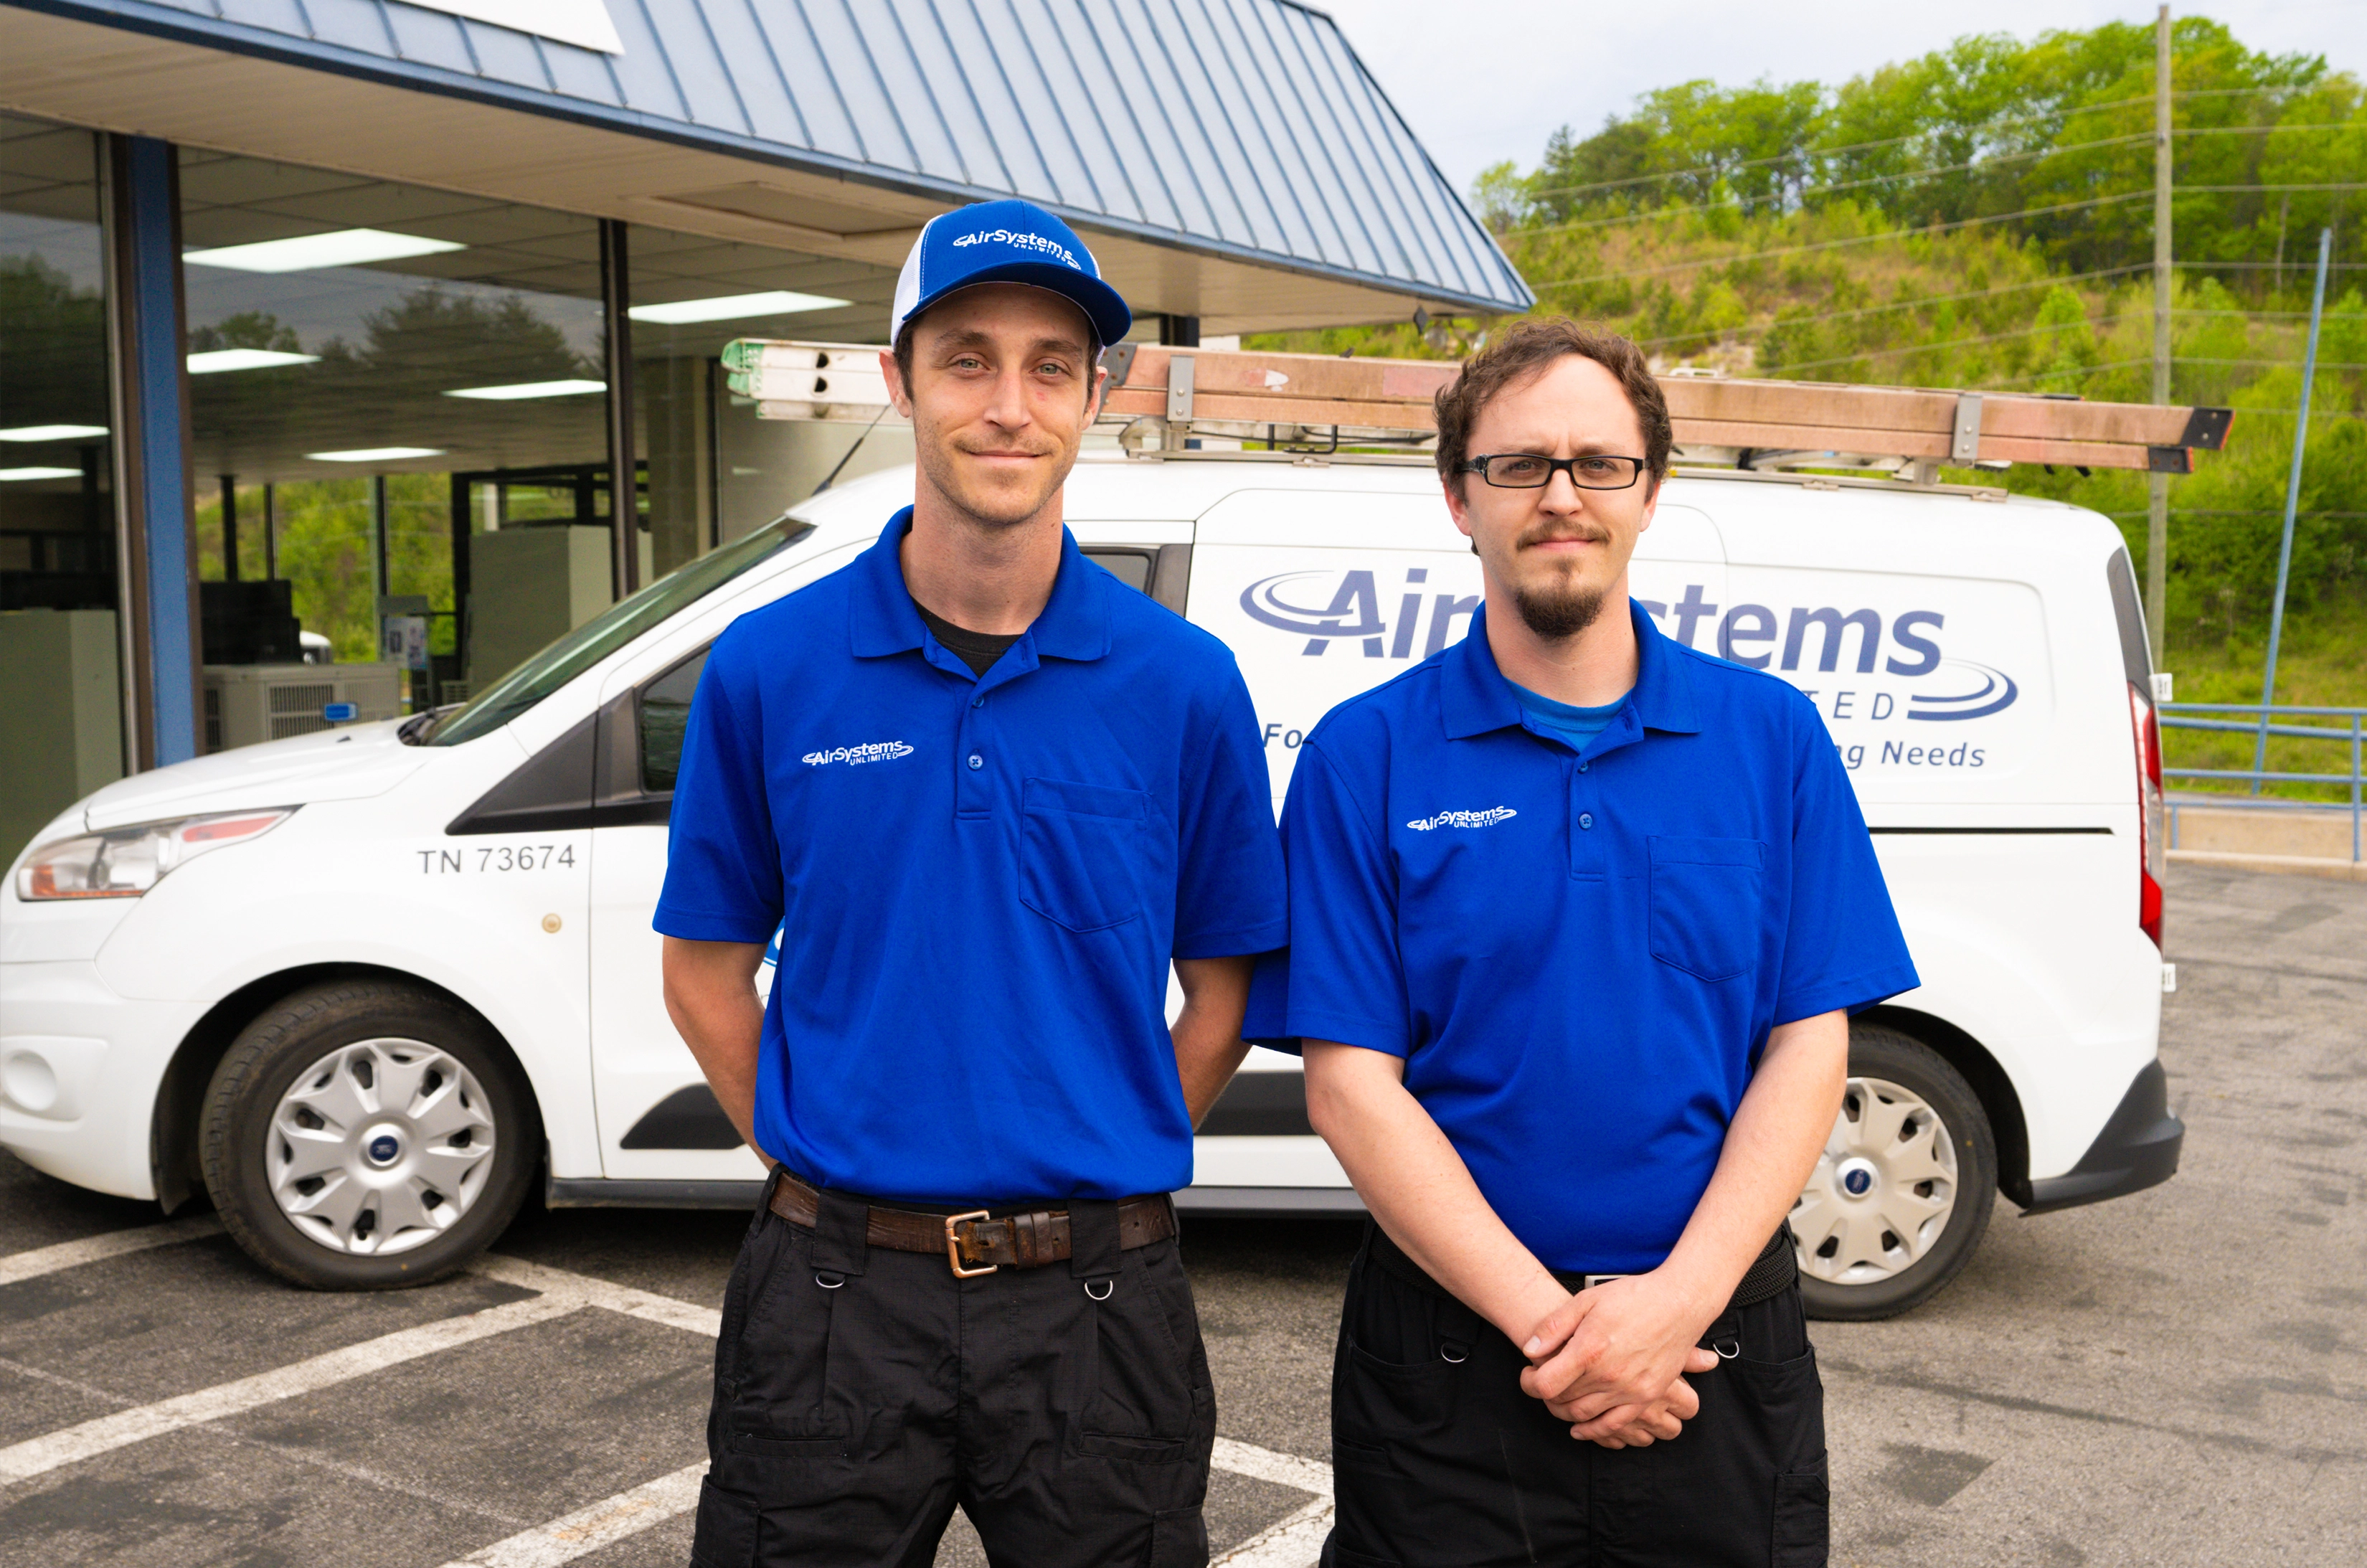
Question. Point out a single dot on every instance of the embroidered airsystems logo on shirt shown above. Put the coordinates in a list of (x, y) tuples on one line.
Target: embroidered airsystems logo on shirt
[(874, 751), (1487, 818)]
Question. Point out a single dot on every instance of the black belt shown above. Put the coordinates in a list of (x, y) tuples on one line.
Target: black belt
[(1771, 1273)]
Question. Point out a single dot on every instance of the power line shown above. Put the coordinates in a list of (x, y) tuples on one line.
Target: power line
[(2066, 280), (2322, 364), (1917, 136), (2259, 129), (1889, 236), (1958, 342), (2187, 359), (1836, 151), (1650, 213), (2338, 184), (1928, 300)]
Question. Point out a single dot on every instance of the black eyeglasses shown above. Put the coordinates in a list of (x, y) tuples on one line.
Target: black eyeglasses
[(1527, 470)]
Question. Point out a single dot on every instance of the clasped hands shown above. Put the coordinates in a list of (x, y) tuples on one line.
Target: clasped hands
[(1612, 1361)]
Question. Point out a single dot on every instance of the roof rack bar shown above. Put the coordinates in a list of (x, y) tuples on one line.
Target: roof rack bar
[(1181, 393)]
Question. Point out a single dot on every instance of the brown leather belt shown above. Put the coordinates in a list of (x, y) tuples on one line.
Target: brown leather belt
[(979, 1241)]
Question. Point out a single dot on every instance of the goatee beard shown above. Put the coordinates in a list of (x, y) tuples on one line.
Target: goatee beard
[(1557, 614)]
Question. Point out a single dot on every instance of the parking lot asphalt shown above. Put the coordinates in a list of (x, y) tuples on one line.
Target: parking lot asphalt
[(2179, 1377)]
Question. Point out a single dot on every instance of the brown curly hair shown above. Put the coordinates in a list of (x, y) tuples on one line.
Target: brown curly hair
[(1524, 351)]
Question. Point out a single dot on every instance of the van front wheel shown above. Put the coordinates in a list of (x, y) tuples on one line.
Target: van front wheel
[(1903, 1190), (367, 1135)]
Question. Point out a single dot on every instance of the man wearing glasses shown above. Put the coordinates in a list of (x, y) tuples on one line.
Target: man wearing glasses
[(1578, 918)]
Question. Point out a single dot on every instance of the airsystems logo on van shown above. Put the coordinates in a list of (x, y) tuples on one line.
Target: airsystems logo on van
[(871, 751), (1345, 606), (1295, 601)]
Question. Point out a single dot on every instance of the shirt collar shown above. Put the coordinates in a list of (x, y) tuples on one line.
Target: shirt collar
[(1075, 623), (1476, 698)]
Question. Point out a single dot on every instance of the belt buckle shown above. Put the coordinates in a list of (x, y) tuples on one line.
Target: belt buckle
[(1594, 1280), (954, 1246)]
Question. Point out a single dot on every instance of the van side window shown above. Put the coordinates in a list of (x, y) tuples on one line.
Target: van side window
[(1131, 567), (664, 713)]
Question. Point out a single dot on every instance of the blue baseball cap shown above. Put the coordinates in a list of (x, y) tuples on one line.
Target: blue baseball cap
[(1005, 242)]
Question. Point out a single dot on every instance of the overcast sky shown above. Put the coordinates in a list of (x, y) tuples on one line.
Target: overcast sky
[(1481, 81)]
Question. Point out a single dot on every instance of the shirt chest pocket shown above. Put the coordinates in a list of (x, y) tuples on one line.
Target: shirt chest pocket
[(1704, 904), (1083, 852)]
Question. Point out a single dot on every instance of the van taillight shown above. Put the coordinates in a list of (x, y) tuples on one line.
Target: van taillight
[(2146, 727)]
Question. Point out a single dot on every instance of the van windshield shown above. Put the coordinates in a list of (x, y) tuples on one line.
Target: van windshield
[(609, 630)]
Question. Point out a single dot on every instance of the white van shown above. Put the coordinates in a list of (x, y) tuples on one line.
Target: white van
[(367, 986)]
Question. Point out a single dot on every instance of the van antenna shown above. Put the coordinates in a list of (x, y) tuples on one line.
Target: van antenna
[(832, 478)]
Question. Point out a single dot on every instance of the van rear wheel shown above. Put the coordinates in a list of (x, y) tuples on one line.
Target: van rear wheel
[(367, 1135), (1904, 1188)]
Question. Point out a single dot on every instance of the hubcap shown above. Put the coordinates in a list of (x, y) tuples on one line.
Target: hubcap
[(1883, 1189), (379, 1146)]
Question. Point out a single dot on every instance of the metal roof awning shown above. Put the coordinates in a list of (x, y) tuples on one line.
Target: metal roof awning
[(1229, 159)]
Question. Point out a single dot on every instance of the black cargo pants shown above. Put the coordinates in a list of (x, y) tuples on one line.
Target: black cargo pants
[(1438, 1457), (860, 1393)]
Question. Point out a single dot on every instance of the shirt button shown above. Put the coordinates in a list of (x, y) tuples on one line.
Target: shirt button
[(1585, 819), (976, 761), (978, 702), (1581, 766)]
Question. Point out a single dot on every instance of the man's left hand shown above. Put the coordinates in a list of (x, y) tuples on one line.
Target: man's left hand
[(1608, 1355)]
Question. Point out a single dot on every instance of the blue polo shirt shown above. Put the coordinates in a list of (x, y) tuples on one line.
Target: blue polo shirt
[(1580, 952), (979, 880)]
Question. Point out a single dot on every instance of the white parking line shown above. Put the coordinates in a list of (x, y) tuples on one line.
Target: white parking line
[(19, 1266), (1297, 1541), (1264, 1464), (1292, 1542), (610, 1520), (38, 1456), (648, 1306), (287, 1451)]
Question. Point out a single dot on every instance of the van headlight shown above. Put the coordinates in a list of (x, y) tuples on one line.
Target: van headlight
[(126, 861)]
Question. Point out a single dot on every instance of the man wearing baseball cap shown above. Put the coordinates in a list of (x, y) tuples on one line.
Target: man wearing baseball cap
[(988, 793)]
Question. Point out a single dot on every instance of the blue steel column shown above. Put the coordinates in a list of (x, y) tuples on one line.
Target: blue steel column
[(157, 607)]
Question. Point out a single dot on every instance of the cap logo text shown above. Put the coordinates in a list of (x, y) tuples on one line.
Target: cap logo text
[(1022, 241)]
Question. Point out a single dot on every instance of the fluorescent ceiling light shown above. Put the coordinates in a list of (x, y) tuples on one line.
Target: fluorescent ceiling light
[(377, 454), (344, 248), (52, 432), (521, 390), (40, 473), (213, 361), (733, 307)]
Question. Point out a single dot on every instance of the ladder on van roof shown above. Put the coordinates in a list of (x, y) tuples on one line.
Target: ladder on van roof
[(1313, 404)]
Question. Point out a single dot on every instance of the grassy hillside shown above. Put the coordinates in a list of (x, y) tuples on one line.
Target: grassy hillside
[(1982, 217)]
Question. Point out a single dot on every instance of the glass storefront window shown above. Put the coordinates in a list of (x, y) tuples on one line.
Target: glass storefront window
[(377, 373), (716, 472), (61, 714)]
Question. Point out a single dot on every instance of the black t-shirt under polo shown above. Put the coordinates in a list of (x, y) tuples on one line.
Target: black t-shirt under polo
[(978, 650)]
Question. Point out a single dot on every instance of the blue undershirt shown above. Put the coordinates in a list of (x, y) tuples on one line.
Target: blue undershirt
[(1573, 726)]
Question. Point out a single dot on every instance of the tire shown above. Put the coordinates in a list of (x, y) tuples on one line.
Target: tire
[(1904, 1188), (345, 1134)]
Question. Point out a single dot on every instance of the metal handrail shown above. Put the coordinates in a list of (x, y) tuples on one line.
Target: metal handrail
[(2265, 721)]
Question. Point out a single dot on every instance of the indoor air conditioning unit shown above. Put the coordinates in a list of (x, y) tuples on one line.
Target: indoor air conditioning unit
[(247, 703)]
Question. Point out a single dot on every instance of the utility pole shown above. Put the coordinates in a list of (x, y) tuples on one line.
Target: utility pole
[(2158, 485)]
